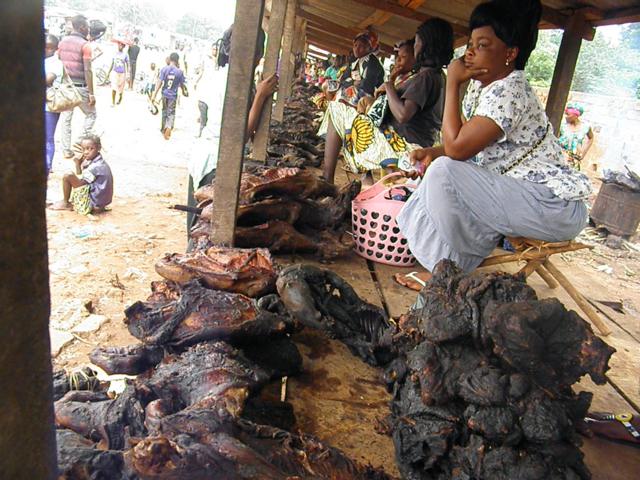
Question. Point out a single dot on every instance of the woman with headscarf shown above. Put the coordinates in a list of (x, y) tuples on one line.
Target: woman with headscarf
[(366, 73), (576, 135), (500, 171), (405, 116)]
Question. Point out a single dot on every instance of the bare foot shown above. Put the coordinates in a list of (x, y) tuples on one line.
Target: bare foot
[(406, 281), (61, 205)]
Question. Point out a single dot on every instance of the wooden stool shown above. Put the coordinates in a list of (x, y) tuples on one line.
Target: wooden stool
[(536, 254)]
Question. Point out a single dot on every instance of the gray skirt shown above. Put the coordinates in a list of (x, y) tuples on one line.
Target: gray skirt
[(460, 211)]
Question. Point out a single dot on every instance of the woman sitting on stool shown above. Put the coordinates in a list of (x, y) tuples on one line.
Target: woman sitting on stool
[(500, 171)]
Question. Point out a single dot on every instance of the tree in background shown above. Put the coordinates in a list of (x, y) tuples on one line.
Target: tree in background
[(603, 67)]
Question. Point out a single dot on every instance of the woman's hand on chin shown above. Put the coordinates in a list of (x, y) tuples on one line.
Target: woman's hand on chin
[(458, 73)]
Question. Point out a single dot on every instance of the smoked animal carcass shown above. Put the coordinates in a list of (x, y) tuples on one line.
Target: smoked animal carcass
[(199, 315), (79, 459), (210, 374), (129, 360), (323, 300), (236, 449), (100, 418), (246, 271)]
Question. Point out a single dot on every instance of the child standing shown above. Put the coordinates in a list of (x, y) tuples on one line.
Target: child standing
[(90, 189), (171, 78)]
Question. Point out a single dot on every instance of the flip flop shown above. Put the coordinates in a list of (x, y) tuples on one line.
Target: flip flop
[(410, 281), (620, 427)]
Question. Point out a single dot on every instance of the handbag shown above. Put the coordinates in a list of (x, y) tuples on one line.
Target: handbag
[(63, 96)]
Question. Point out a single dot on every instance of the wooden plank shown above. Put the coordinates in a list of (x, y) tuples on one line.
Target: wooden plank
[(274, 39), (28, 436), (285, 63), (563, 72), (380, 17), (244, 45), (619, 16), (397, 298)]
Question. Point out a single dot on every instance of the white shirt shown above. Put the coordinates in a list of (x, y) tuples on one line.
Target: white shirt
[(528, 149)]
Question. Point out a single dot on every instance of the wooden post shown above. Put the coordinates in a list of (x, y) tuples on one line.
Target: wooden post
[(244, 46), (274, 38), (286, 71), (27, 438), (564, 69)]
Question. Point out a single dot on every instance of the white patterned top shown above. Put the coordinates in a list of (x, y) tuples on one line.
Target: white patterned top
[(528, 150)]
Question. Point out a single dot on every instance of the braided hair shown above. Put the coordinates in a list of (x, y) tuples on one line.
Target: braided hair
[(437, 43), (515, 22)]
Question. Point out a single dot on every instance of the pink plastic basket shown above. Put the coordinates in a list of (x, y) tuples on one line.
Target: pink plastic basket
[(375, 231)]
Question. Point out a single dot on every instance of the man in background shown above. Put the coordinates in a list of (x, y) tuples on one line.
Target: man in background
[(171, 78), (134, 51), (75, 53)]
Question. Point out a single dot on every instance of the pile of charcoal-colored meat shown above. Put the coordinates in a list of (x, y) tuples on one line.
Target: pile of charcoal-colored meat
[(294, 142), (211, 338), (288, 210), (483, 381)]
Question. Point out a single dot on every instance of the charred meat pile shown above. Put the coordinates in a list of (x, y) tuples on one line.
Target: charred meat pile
[(293, 142), (483, 381), (287, 210)]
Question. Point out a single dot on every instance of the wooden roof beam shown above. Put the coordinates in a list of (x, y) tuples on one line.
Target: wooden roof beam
[(380, 17), (312, 39), (337, 29), (619, 16), (405, 12)]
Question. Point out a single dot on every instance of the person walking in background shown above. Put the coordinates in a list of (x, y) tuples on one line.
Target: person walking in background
[(54, 71), (171, 78), (576, 135), (117, 73), (75, 53), (210, 95), (133, 51)]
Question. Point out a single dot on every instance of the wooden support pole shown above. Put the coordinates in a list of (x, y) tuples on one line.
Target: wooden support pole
[(532, 254), (244, 46), (27, 434), (274, 39), (548, 279), (564, 69), (577, 297), (286, 70)]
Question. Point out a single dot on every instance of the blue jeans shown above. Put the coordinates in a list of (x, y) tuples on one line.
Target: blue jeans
[(50, 124)]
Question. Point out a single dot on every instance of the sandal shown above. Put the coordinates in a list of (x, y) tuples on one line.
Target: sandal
[(411, 280)]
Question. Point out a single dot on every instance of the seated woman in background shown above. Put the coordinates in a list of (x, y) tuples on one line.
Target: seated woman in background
[(366, 73), (500, 171), (406, 117), (576, 135)]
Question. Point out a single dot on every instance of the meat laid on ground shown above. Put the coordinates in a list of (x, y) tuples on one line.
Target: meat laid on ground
[(321, 299), (286, 182), (246, 271), (100, 418), (129, 360), (79, 459), (199, 315), (82, 379), (187, 441), (211, 374)]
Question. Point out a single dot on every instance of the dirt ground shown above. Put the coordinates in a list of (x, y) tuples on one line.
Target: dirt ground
[(101, 264)]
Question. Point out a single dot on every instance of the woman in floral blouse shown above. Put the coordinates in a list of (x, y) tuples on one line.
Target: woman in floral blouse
[(500, 171)]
